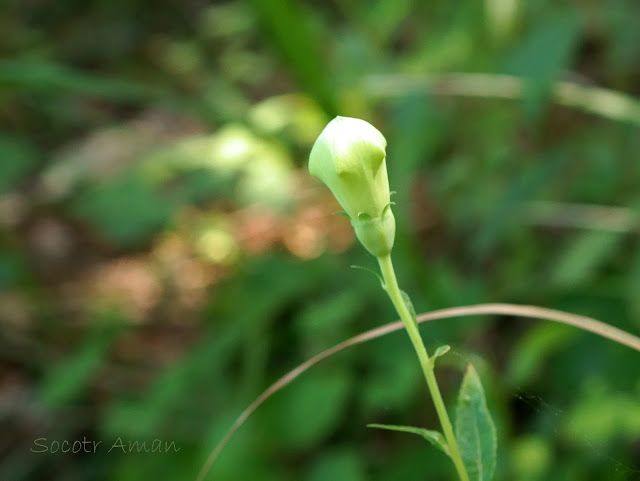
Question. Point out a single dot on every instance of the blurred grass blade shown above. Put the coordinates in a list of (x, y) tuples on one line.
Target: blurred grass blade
[(534, 349), (604, 102), (583, 258), (288, 29), (475, 431), (548, 49), (72, 376), (19, 158), (543, 55), (509, 207), (49, 77)]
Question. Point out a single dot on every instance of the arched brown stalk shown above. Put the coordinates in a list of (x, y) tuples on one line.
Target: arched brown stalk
[(534, 312), (606, 103)]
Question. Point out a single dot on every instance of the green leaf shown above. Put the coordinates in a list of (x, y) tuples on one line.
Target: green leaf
[(548, 49), (434, 437), (289, 28), (327, 321), (441, 351), (344, 464), (394, 380), (559, 37), (533, 350), (71, 377), (584, 257), (35, 76), (18, 160), (508, 210), (308, 411), (67, 380), (475, 431), (128, 210)]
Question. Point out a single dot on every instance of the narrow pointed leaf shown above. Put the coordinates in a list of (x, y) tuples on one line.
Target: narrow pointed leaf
[(475, 430), (366, 269), (434, 437)]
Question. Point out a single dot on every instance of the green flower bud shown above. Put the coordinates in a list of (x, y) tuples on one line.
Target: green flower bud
[(349, 157)]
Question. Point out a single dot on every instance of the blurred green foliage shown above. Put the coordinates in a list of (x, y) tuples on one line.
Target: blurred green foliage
[(165, 256)]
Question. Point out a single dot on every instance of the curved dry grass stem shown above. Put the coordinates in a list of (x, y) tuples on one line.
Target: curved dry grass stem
[(596, 100), (533, 312)]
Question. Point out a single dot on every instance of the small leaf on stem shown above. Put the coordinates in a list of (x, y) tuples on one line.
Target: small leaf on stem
[(441, 351), (434, 437), (362, 268)]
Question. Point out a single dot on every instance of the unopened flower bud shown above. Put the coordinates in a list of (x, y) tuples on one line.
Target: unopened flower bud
[(349, 157)]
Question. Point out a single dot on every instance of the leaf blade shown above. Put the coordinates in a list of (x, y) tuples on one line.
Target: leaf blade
[(434, 437), (440, 351), (475, 431)]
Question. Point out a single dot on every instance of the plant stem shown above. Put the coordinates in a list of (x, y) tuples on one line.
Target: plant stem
[(391, 286)]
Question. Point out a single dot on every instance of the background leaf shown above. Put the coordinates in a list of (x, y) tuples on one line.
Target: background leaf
[(343, 464), (153, 166), (308, 411)]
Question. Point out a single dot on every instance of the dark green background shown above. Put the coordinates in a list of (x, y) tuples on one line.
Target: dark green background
[(164, 255)]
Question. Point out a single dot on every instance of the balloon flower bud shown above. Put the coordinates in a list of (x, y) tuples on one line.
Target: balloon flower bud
[(349, 157)]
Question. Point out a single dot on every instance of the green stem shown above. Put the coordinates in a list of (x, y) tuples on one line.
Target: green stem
[(391, 286)]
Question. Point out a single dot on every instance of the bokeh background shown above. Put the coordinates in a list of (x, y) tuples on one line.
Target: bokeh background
[(164, 254)]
